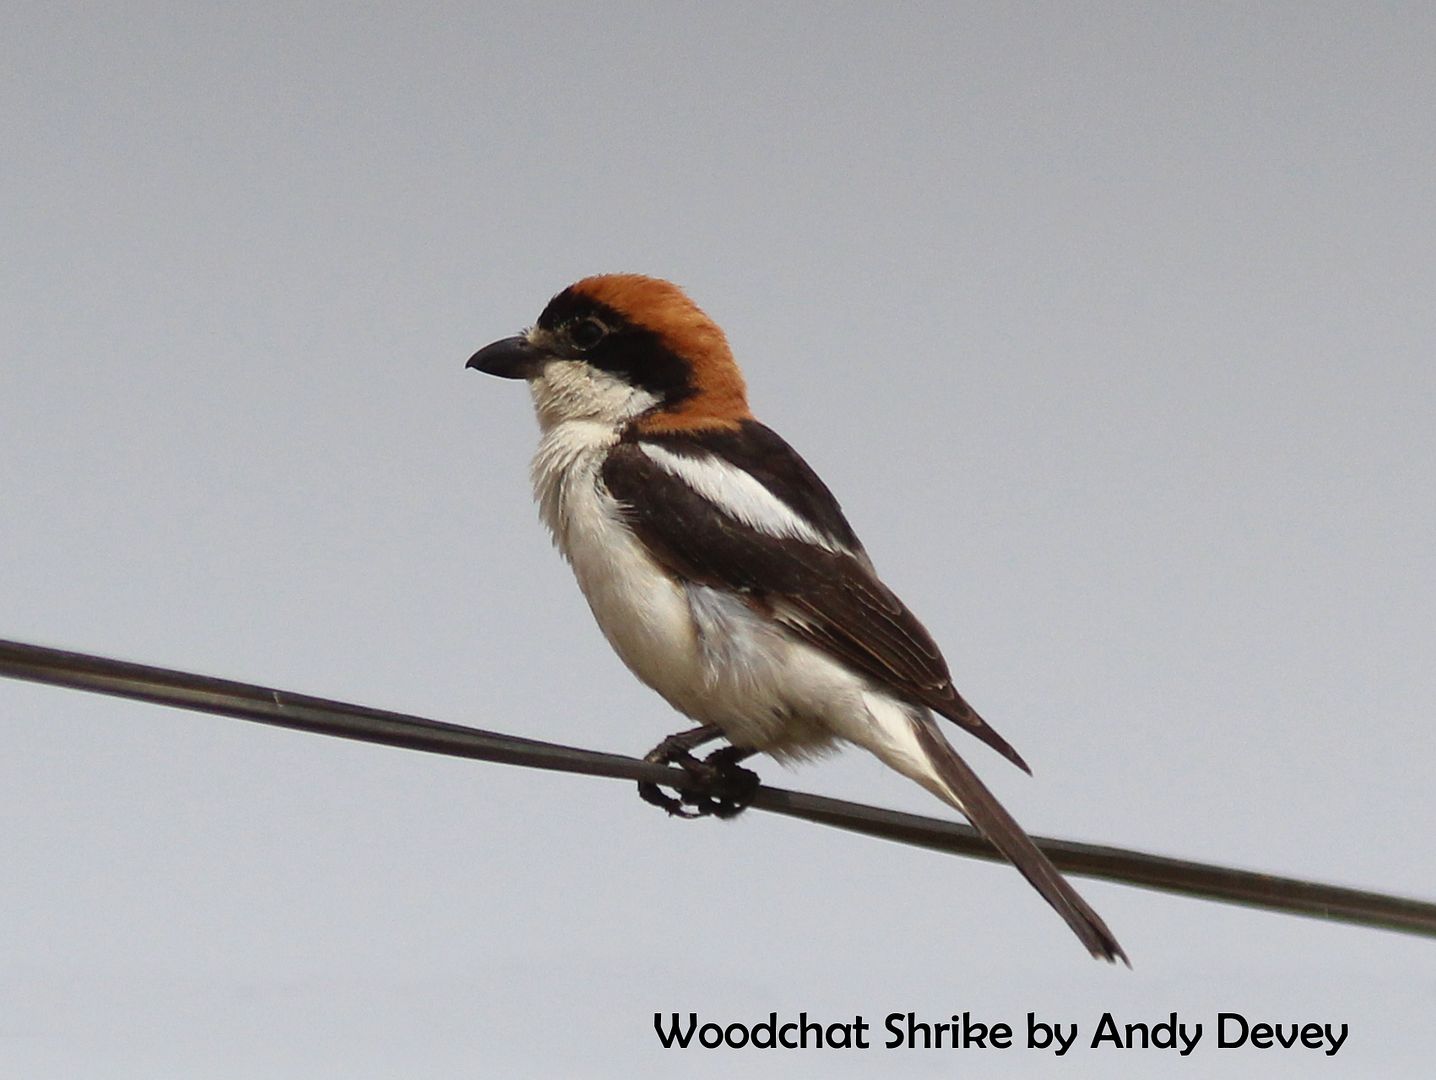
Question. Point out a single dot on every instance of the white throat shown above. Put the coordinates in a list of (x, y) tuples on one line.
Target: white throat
[(582, 411), (572, 390)]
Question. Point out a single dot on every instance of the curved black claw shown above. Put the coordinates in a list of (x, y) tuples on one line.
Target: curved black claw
[(653, 795), (732, 787), (727, 787)]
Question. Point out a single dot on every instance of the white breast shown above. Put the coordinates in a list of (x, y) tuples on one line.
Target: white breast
[(642, 611), (704, 650)]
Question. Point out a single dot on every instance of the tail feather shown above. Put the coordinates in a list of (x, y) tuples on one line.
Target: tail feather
[(964, 715), (910, 742), (968, 794)]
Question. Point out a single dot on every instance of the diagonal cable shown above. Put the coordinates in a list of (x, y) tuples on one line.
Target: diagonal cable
[(301, 712)]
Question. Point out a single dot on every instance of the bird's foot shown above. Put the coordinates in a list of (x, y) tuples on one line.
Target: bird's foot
[(727, 788), (733, 786)]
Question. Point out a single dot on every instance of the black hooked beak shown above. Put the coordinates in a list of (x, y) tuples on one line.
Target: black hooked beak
[(509, 358)]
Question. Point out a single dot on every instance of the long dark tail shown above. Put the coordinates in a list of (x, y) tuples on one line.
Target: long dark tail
[(954, 782)]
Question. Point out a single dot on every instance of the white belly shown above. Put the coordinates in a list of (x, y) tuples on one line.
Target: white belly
[(705, 651)]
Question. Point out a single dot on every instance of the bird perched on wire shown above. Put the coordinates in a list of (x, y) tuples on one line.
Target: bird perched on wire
[(722, 570)]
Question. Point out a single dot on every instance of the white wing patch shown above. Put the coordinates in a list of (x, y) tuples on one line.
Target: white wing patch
[(739, 495)]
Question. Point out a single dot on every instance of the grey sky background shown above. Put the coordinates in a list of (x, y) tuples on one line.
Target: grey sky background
[(1111, 326)]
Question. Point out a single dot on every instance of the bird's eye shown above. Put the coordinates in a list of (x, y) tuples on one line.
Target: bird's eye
[(586, 333)]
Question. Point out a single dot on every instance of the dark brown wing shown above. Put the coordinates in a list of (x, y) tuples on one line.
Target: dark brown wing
[(829, 597)]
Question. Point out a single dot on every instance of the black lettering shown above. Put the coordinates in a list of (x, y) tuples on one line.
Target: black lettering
[(854, 1037), (683, 1038), (1189, 1044), (862, 1037), (809, 1028), (1041, 1035), (1237, 1018), (968, 1032), (765, 1033), (891, 1022), (914, 1025), (1164, 1034), (1106, 1032), (1335, 1042), (1037, 1030)]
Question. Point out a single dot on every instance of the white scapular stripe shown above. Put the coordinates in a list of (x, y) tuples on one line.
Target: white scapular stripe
[(739, 495)]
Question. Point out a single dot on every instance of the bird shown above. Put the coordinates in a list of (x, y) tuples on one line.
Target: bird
[(723, 572)]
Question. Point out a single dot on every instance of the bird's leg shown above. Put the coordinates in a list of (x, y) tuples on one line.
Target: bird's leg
[(731, 787), (677, 749)]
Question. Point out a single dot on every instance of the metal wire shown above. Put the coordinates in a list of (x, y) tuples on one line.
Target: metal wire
[(301, 712)]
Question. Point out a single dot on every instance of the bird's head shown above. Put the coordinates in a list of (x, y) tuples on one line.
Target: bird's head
[(621, 349)]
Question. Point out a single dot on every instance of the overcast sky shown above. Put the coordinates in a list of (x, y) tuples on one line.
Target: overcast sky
[(1112, 326)]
